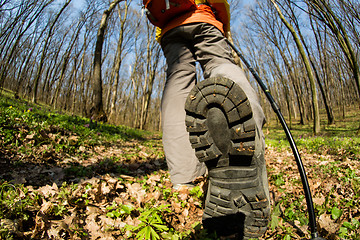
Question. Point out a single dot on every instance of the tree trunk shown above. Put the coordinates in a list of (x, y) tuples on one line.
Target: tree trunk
[(152, 60), (65, 63), (328, 17), (25, 66), (97, 111), (118, 61), (315, 104), (4, 70), (327, 103), (44, 51), (286, 90)]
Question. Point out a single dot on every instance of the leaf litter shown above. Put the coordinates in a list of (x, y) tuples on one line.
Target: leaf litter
[(99, 193)]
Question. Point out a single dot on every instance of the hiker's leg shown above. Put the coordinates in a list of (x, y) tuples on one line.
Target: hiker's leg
[(216, 59), (226, 119), (181, 78)]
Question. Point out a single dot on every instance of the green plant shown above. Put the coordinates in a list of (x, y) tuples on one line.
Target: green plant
[(336, 213), (166, 193), (121, 211), (278, 179), (275, 217), (65, 192), (152, 224), (350, 230), (197, 192), (59, 210), (79, 231), (14, 201)]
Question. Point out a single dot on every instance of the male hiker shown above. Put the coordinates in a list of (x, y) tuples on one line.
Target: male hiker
[(215, 126)]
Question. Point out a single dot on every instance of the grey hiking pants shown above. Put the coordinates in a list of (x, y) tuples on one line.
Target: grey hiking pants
[(182, 47)]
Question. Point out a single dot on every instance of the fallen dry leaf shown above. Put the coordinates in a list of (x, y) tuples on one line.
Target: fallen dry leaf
[(41, 218), (135, 190), (92, 227), (325, 222), (48, 191)]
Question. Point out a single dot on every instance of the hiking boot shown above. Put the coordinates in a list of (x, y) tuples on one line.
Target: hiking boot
[(222, 131)]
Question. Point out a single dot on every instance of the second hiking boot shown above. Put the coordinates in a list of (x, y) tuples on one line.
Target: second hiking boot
[(224, 135)]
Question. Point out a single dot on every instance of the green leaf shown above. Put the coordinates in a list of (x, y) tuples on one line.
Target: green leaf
[(161, 227), (117, 214), (335, 213), (275, 217), (274, 222), (348, 225), (287, 237), (279, 182), (110, 215), (343, 231), (355, 223), (154, 234), (142, 234), (127, 209), (148, 232)]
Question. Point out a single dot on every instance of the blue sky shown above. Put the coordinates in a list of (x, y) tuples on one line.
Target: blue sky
[(78, 3)]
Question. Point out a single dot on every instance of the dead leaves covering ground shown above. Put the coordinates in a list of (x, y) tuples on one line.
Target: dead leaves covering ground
[(96, 200)]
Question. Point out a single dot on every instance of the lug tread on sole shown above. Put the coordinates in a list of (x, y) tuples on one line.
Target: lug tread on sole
[(210, 153), (234, 189), (234, 184), (223, 93), (233, 172)]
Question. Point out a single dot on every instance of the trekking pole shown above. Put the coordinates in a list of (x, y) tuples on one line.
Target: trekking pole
[(304, 180)]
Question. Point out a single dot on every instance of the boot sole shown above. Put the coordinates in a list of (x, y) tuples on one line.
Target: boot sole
[(222, 131)]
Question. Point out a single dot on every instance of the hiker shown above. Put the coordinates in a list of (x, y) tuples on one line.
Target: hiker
[(224, 119)]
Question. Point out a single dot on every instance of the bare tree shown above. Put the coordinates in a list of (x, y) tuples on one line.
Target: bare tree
[(118, 59), (34, 13), (97, 110), (316, 127), (45, 48), (152, 61), (327, 15), (65, 62)]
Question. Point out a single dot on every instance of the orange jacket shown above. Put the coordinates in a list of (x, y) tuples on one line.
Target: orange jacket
[(214, 12)]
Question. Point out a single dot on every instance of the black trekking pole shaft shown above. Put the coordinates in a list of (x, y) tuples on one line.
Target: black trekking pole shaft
[(275, 107)]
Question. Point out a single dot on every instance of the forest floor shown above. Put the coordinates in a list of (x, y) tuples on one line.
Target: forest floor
[(66, 177)]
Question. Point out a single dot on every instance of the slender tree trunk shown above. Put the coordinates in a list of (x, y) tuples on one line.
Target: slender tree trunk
[(25, 66), (286, 90), (65, 63), (327, 103), (118, 61), (97, 110), (300, 103), (71, 91), (316, 127), (329, 17), (342, 101), (135, 84), (51, 72), (4, 70), (44, 51), (152, 60)]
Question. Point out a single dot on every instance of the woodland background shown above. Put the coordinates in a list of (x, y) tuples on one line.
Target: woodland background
[(99, 58), (80, 148)]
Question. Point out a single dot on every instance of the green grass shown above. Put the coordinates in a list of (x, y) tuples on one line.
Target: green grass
[(341, 138), (25, 127)]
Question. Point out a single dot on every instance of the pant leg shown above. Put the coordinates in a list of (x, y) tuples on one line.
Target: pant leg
[(181, 78), (215, 57)]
